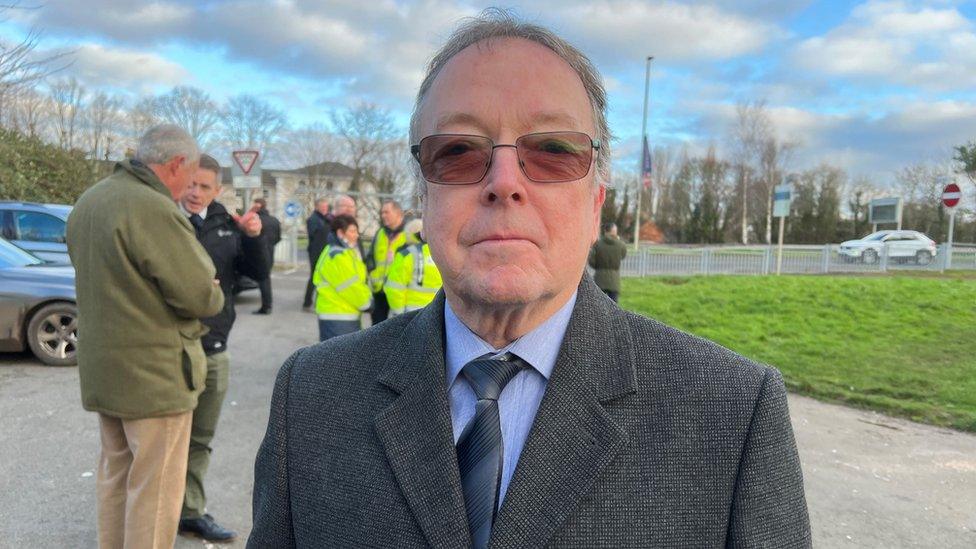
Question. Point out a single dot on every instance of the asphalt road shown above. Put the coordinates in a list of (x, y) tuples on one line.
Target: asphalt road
[(871, 481)]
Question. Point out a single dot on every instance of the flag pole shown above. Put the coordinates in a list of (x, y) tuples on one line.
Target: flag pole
[(640, 162)]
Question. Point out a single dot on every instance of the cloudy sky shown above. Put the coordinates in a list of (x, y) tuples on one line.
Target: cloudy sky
[(869, 86)]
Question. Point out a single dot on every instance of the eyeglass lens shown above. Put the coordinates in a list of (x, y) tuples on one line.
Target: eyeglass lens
[(548, 157)]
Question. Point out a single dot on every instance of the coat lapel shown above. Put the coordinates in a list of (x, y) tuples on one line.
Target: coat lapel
[(573, 437), (416, 433)]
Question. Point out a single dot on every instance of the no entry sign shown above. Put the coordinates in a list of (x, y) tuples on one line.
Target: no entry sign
[(951, 195)]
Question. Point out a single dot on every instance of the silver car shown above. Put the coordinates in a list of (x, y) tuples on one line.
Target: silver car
[(900, 246), (37, 228), (37, 307)]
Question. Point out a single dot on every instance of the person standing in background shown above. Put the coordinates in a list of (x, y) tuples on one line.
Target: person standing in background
[(413, 278), (143, 284), (318, 228), (271, 234), (385, 244), (342, 289), (605, 257), (235, 246)]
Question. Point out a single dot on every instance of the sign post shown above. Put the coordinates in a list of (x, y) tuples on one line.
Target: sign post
[(247, 173), (293, 215), (951, 195), (782, 197)]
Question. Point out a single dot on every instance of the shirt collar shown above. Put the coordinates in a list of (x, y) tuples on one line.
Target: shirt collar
[(202, 214), (539, 348)]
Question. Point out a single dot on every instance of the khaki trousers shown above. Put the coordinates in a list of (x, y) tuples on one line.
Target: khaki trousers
[(141, 475)]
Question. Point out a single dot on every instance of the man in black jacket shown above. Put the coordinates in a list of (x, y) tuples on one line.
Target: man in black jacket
[(271, 233), (236, 246), (318, 227)]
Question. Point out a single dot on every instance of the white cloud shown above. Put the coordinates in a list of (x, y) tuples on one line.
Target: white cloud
[(897, 43), (99, 66), (629, 29)]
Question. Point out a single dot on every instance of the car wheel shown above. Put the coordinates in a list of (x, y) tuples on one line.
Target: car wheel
[(52, 334), (869, 257), (923, 257)]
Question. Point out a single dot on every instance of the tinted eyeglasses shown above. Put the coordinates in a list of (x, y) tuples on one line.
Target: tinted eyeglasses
[(548, 157)]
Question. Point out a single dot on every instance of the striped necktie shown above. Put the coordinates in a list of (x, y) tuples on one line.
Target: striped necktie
[(479, 448)]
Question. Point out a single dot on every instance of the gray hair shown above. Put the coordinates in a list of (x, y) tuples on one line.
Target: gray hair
[(164, 142), (338, 201), (495, 23)]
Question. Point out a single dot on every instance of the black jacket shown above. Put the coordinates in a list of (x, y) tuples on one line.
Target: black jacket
[(232, 253), (271, 233), (319, 227), (270, 228)]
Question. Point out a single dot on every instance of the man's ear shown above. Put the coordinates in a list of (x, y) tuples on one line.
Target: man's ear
[(599, 197), (174, 165)]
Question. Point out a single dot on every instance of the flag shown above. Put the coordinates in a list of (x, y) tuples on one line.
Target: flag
[(646, 166)]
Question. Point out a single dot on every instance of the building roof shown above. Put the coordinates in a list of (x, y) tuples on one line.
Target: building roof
[(322, 169)]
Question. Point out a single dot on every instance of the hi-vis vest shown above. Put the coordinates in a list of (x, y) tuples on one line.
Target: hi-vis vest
[(413, 279), (340, 284), (383, 253)]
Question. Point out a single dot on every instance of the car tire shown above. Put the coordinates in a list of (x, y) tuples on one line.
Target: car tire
[(869, 257), (923, 257), (52, 334)]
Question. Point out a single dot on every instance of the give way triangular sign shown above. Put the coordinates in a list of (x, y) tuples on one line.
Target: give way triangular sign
[(245, 160)]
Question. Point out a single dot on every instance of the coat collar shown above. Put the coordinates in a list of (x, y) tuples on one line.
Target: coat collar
[(573, 437), (144, 174)]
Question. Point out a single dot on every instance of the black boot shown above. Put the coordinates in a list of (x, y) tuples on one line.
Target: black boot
[(205, 527)]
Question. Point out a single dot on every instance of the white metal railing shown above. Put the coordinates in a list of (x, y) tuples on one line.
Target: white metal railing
[(797, 259)]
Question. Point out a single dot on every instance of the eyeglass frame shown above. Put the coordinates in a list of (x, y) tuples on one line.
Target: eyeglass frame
[(594, 144)]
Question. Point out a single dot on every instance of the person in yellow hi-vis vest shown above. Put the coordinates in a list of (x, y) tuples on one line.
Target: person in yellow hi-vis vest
[(341, 285), (385, 244), (413, 279)]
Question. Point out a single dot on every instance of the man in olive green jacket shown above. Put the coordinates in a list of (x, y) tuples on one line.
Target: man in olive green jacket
[(605, 257), (143, 282)]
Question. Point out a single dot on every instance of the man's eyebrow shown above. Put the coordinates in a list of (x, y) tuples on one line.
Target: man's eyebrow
[(556, 118), (457, 118)]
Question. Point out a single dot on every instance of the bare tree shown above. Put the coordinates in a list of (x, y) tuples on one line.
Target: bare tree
[(140, 116), (661, 176), (748, 137), (191, 109), (251, 122), (28, 113), (68, 96), (392, 171), (20, 66), (101, 124), (308, 146), (773, 161), (365, 131)]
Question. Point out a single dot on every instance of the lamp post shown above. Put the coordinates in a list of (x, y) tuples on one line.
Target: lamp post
[(640, 156)]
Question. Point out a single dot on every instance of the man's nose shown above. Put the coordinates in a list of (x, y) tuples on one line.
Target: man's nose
[(505, 181)]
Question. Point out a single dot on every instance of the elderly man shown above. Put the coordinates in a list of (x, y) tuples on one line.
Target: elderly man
[(144, 283), (235, 246), (522, 408)]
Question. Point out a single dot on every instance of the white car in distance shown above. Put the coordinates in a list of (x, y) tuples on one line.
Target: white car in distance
[(900, 246)]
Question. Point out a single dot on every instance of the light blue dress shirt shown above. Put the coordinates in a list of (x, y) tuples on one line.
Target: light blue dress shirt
[(520, 399)]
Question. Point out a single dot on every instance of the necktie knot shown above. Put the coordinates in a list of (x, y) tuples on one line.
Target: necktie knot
[(488, 376), (196, 221)]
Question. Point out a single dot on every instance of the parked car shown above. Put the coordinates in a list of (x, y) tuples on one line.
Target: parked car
[(37, 306), (37, 228), (900, 246)]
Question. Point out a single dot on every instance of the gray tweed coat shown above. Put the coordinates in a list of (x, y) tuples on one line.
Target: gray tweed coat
[(646, 437)]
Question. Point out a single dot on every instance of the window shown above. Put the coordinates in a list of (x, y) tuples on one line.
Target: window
[(38, 227)]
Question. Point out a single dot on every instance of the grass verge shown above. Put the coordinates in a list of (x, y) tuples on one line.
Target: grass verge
[(900, 344)]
